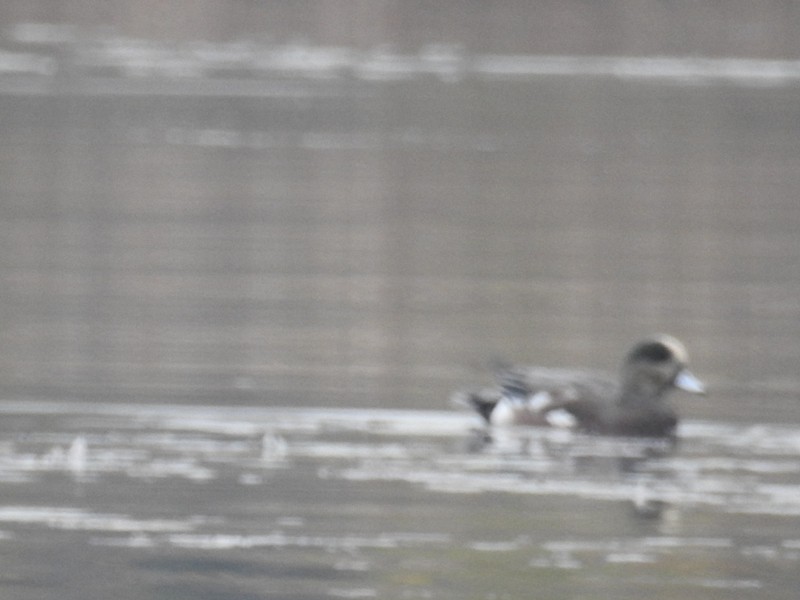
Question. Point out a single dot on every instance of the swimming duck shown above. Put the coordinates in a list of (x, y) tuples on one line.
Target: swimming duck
[(592, 402)]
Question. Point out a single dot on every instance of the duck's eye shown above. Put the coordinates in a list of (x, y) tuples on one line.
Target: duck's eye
[(655, 352)]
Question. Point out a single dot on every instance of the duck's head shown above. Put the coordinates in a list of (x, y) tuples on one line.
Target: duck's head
[(653, 367)]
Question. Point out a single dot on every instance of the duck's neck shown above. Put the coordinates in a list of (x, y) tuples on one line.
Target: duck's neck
[(640, 391)]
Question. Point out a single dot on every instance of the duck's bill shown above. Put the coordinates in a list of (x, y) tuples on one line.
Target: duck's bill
[(687, 382)]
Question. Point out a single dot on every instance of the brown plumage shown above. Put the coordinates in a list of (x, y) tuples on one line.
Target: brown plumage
[(634, 405)]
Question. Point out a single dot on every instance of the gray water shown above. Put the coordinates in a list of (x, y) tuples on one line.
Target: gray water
[(165, 501), (235, 306)]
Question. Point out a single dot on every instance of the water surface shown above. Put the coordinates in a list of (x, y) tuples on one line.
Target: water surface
[(144, 501), (235, 305)]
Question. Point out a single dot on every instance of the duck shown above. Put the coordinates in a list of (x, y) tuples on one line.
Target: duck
[(633, 405)]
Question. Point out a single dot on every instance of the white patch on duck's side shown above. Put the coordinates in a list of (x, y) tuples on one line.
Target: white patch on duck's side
[(504, 411), (539, 401), (561, 418), (509, 409)]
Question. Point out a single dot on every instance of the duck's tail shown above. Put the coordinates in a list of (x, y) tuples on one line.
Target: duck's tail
[(481, 401)]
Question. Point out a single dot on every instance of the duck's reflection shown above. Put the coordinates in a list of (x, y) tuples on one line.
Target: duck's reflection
[(634, 464)]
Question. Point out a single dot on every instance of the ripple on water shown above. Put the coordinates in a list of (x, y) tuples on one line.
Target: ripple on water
[(329, 484)]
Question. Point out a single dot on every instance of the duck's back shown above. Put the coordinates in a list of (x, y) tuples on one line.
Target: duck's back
[(564, 385)]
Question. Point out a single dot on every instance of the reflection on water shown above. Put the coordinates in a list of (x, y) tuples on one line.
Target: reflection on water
[(380, 503)]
